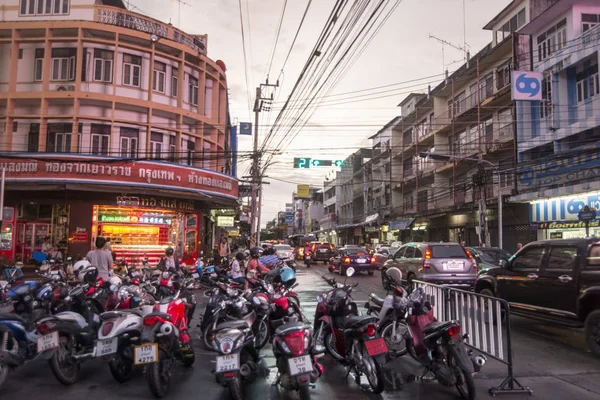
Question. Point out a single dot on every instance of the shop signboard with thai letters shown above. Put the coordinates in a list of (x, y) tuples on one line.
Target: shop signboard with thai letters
[(93, 170), (576, 167), (562, 208), (225, 221)]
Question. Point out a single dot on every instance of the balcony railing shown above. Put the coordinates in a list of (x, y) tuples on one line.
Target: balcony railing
[(589, 38), (118, 17)]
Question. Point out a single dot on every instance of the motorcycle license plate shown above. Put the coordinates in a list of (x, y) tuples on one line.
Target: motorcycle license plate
[(300, 365), (106, 347), (229, 362), (376, 347), (47, 342), (145, 354), (196, 276)]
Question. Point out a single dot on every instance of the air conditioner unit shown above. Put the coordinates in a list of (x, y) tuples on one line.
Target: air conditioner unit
[(65, 88)]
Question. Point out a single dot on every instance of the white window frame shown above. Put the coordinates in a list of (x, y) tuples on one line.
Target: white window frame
[(106, 66), (63, 148), (156, 150), (590, 83), (38, 68), (505, 121), (44, 7), (101, 150), (66, 65), (554, 39), (193, 90), (159, 79), (128, 147), (174, 82), (589, 24), (132, 68)]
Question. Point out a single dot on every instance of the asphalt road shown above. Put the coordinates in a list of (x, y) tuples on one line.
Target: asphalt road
[(553, 361)]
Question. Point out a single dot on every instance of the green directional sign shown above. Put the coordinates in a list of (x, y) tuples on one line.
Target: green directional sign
[(306, 163), (338, 163)]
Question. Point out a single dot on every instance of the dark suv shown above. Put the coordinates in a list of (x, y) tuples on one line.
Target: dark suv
[(322, 251), (552, 280)]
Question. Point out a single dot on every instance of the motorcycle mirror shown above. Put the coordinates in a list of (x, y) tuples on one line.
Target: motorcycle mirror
[(349, 272), (320, 299)]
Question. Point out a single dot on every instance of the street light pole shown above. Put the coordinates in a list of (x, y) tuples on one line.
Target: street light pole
[(447, 157)]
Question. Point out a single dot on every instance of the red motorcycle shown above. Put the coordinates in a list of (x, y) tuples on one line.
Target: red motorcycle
[(351, 339), (165, 340)]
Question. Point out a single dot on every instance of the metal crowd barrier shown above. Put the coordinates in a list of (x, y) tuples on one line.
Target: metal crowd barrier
[(485, 319)]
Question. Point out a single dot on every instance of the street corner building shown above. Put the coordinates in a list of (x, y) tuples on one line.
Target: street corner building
[(112, 124)]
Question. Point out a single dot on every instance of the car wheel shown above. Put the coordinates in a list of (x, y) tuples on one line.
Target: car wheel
[(592, 331)]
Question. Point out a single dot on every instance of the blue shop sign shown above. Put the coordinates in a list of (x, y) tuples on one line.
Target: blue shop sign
[(562, 209)]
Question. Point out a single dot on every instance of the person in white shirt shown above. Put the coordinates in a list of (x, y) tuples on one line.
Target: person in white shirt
[(237, 269)]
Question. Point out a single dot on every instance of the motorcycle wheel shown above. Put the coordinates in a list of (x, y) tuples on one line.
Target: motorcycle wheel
[(235, 389), (262, 335), (375, 377), (330, 344), (465, 384), (158, 375), (397, 346), (3, 374), (304, 392), (64, 367), (207, 345), (121, 368)]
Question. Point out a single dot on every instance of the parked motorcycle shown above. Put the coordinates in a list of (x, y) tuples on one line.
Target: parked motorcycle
[(351, 339), (237, 362), (391, 312), (439, 346), (164, 340), (296, 363)]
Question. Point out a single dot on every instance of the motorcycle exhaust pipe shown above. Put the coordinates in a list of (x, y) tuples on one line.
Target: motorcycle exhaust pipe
[(166, 329), (245, 370), (317, 371), (81, 357), (478, 362)]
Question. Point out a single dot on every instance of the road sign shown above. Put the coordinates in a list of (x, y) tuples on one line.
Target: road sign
[(527, 85), (306, 162), (587, 214)]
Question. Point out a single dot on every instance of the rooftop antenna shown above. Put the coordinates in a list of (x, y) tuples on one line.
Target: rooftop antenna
[(179, 3), (463, 48)]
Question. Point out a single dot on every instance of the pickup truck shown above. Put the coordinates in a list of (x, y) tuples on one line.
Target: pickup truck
[(556, 281)]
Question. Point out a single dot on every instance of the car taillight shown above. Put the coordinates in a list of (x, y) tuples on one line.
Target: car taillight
[(373, 260), (151, 321), (454, 330), (295, 342), (370, 330), (107, 327), (427, 253), (330, 248), (347, 260), (46, 328), (469, 254), (427, 258)]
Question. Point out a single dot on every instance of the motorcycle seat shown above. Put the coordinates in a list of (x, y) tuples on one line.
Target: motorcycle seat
[(238, 324), (378, 301), (355, 321), (437, 326), (159, 314), (135, 311), (289, 328), (11, 317)]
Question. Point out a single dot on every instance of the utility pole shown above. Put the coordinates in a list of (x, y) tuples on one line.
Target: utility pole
[(256, 170)]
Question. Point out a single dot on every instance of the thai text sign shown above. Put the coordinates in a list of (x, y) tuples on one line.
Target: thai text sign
[(578, 167), (103, 171), (563, 208)]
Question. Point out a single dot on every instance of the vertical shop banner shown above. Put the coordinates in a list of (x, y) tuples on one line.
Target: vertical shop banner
[(303, 191), (102, 171)]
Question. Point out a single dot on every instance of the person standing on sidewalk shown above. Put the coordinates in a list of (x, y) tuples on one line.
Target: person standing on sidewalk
[(224, 250), (101, 259)]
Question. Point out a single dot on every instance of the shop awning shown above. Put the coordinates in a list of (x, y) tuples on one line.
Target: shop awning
[(371, 218), (401, 224)]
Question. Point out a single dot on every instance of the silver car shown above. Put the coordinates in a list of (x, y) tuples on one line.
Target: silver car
[(435, 262)]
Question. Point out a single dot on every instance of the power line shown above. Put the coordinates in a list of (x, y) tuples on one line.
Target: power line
[(277, 37), (295, 37), (245, 59)]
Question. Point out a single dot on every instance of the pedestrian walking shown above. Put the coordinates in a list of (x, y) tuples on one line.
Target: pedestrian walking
[(224, 249)]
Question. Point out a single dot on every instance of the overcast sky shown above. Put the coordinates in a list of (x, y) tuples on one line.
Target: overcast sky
[(402, 51)]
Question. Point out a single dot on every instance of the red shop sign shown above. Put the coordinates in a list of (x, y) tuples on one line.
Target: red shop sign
[(99, 170)]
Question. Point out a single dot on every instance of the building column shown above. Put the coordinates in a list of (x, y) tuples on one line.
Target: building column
[(78, 73), (46, 70), (6, 144)]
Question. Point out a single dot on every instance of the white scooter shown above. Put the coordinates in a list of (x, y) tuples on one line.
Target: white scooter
[(120, 331)]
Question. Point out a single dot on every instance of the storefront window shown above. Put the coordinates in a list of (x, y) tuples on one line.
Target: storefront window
[(191, 222), (190, 241), (6, 237)]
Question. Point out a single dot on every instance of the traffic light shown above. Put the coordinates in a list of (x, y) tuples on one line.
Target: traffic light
[(302, 162)]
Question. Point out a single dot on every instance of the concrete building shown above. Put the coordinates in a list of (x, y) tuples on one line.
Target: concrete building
[(111, 123), (559, 138), (469, 117)]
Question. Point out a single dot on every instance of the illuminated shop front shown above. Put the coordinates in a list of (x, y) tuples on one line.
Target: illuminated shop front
[(557, 218), (143, 207)]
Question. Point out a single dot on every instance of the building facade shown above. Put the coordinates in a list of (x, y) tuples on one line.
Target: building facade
[(111, 124), (559, 138)]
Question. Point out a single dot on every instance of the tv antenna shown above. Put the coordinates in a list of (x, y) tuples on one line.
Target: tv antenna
[(444, 43), (179, 3)]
